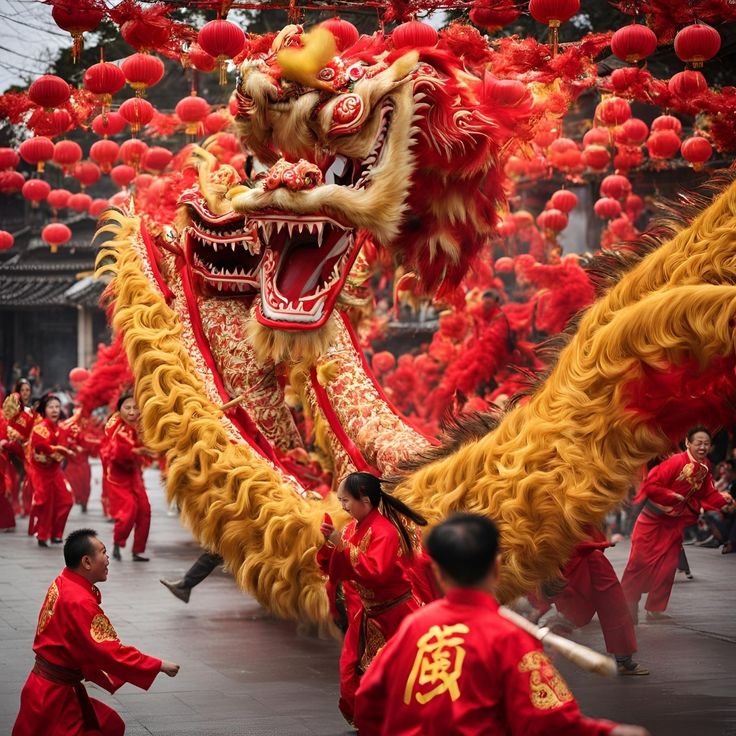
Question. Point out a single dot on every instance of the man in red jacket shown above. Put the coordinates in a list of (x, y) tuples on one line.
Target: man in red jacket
[(75, 641), (457, 666), (673, 494)]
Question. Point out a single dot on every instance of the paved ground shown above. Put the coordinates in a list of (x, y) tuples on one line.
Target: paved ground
[(244, 672)]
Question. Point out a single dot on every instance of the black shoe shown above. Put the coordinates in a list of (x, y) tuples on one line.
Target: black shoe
[(116, 553), (57, 540), (178, 588), (84, 507), (43, 543), (139, 558)]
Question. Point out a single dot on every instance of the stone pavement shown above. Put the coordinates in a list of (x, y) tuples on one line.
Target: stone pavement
[(245, 673)]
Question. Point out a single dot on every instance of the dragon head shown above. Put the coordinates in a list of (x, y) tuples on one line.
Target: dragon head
[(398, 142)]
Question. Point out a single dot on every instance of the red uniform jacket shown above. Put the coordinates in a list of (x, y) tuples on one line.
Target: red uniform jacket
[(74, 633), (121, 463), (457, 667), (44, 437), (20, 424), (681, 474)]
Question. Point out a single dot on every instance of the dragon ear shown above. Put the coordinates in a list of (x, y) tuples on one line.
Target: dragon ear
[(403, 65), (302, 64)]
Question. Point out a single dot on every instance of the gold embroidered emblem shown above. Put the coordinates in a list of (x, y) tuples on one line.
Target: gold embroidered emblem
[(41, 431), (438, 664), (547, 689), (101, 629), (362, 546), (47, 610), (693, 474)]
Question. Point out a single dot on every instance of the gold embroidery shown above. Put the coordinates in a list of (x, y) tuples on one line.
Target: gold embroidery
[(101, 629), (693, 474), (374, 641), (547, 689), (366, 594), (47, 610), (362, 546), (439, 663), (42, 431)]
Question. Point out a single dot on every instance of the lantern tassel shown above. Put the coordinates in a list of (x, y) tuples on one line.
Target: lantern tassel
[(554, 36), (77, 46)]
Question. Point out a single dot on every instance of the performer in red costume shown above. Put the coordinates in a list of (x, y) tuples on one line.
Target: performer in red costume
[(367, 555), (52, 496), (83, 436), (591, 587), (7, 513), (674, 492), (124, 458), (20, 423), (75, 641), (456, 666)]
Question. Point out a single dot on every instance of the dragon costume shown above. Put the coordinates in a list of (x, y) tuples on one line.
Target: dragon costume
[(245, 296)]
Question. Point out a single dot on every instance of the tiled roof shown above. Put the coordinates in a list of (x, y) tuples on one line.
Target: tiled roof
[(34, 291)]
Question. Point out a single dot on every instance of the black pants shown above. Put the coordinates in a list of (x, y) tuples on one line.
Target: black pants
[(204, 565)]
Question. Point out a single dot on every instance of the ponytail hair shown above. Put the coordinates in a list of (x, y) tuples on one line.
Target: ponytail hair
[(361, 484)]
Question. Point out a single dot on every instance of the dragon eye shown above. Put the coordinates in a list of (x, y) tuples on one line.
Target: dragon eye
[(327, 74), (356, 71)]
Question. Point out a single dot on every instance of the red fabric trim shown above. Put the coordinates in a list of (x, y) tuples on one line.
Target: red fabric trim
[(349, 446), (369, 373), (153, 255)]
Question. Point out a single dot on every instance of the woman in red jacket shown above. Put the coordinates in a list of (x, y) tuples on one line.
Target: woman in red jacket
[(124, 459), (370, 554), (52, 496)]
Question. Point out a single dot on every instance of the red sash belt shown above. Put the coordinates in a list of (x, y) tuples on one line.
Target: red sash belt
[(65, 676)]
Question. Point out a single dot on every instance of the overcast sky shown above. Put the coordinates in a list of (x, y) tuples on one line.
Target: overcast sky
[(28, 39)]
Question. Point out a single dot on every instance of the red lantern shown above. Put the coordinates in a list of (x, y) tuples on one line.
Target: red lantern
[(696, 150), (504, 265), (697, 43), (142, 181), (66, 154), (613, 111), (132, 152), (98, 206), (146, 33), (383, 362), (9, 159), (37, 151), (414, 34), (564, 154), (6, 240), (137, 112), (79, 202), (597, 137), (553, 13), (628, 157), (547, 131), (345, 33), (564, 200), (142, 71), (615, 186), (509, 93), (35, 190), (49, 91), (507, 227), (58, 199), (634, 206), (622, 79), (86, 173), (122, 175), (667, 122), (120, 199), (192, 111), (52, 123), (552, 221), (687, 84), (621, 227), (11, 181), (633, 43), (663, 144), (215, 122), (77, 376), (596, 158), (76, 18), (494, 18), (104, 79), (523, 219), (632, 133), (56, 234), (223, 40), (110, 124), (607, 208), (105, 153), (156, 159), (200, 59)]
